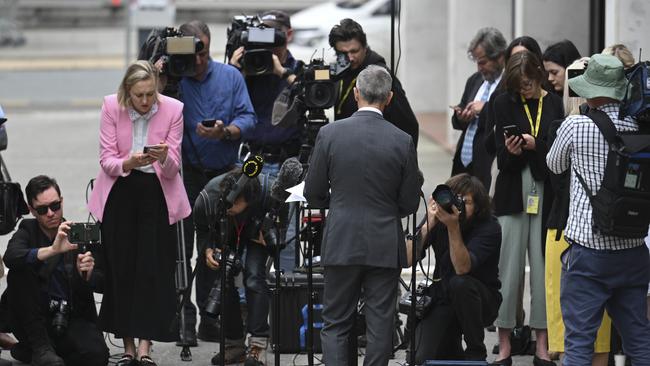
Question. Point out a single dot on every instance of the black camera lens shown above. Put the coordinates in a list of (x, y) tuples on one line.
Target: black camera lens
[(444, 197)]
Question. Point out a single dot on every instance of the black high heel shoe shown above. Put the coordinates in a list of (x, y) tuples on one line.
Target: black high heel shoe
[(505, 362)]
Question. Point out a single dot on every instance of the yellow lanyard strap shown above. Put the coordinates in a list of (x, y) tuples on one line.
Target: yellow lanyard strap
[(533, 129), (345, 96)]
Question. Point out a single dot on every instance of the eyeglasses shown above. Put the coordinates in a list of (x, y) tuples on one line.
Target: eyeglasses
[(54, 206)]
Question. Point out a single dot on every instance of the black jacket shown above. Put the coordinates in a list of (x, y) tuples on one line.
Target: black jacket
[(398, 112), (30, 236), (482, 240), (481, 158), (508, 191)]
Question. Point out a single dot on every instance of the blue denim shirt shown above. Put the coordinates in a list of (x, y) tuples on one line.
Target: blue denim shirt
[(222, 95), (263, 90)]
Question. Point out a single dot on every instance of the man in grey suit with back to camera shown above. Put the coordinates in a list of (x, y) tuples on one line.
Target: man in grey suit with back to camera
[(365, 170)]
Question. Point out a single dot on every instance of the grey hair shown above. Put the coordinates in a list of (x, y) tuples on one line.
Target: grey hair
[(491, 40), (374, 84)]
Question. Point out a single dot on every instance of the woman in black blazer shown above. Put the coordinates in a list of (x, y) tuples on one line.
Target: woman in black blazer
[(522, 195)]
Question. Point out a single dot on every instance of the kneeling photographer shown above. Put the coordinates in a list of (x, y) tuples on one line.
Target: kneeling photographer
[(244, 231), (50, 287), (465, 298)]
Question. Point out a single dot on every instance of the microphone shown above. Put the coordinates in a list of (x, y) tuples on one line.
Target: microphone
[(288, 176), (251, 169)]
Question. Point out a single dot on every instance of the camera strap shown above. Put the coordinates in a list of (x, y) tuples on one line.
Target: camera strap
[(345, 95)]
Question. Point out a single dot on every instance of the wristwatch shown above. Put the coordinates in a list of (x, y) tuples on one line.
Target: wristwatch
[(227, 135)]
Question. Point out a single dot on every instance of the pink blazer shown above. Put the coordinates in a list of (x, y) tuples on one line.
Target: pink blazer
[(115, 141)]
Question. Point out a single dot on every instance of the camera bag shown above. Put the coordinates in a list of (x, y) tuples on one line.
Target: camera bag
[(621, 207), (12, 202), (636, 102)]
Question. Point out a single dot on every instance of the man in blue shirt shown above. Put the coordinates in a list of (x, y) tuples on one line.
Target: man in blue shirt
[(217, 93)]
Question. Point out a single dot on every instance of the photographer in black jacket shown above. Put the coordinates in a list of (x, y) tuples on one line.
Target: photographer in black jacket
[(465, 290), (245, 234), (50, 287), (349, 38)]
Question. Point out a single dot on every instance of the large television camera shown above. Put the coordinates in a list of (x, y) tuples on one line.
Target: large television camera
[(257, 39), (177, 52)]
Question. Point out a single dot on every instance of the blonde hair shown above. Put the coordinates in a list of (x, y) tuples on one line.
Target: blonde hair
[(622, 53), (137, 71), (572, 104)]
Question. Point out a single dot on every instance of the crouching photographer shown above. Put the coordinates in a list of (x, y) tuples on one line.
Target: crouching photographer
[(466, 240), (50, 286), (240, 225)]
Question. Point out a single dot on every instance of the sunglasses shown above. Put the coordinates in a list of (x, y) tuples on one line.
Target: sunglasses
[(54, 206)]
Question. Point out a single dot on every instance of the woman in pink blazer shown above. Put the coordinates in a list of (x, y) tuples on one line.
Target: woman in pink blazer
[(138, 196)]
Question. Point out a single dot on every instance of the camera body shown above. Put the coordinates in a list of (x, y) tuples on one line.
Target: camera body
[(60, 310), (234, 266), (446, 198), (84, 233), (318, 89), (423, 301), (257, 40), (178, 52)]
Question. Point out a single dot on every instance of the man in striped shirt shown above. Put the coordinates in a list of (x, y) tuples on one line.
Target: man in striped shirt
[(598, 271)]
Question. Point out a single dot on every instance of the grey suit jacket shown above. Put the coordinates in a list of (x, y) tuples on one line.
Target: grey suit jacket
[(371, 167)]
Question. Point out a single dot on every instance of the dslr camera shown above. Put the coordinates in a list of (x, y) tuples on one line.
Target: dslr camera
[(178, 52), (60, 310), (446, 198), (257, 40), (423, 301), (234, 266)]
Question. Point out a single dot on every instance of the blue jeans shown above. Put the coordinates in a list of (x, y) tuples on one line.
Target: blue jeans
[(594, 280)]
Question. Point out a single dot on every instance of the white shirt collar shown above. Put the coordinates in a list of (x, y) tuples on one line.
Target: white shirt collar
[(372, 109)]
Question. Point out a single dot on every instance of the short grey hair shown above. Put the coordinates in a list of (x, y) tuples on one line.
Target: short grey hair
[(374, 84), (492, 41)]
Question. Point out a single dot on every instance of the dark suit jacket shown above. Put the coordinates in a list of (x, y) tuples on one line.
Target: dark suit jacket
[(372, 170), (481, 158)]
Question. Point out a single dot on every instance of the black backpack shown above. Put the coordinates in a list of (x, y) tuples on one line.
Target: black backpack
[(621, 207)]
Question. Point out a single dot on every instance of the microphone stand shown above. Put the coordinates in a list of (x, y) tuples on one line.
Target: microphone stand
[(182, 284), (411, 317), (310, 289), (225, 253), (276, 292)]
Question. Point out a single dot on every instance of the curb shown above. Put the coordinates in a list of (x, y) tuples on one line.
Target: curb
[(25, 104), (62, 64)]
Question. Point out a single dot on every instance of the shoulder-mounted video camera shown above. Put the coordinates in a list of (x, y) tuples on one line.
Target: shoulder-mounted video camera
[(178, 52), (257, 39)]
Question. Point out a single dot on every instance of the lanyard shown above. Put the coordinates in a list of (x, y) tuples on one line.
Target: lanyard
[(345, 96), (239, 229), (533, 129)]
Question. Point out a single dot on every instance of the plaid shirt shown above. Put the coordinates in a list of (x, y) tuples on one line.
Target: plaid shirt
[(580, 145)]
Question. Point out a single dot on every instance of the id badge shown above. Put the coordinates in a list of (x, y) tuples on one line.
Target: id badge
[(532, 203)]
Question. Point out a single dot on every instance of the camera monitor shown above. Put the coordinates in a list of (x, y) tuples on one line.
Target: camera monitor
[(261, 35)]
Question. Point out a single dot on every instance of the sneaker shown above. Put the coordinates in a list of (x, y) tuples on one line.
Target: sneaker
[(256, 351), (45, 356)]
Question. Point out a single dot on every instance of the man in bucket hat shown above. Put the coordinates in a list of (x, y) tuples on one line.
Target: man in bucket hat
[(598, 271)]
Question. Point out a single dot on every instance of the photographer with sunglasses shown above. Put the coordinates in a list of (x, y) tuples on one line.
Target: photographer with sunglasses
[(50, 287)]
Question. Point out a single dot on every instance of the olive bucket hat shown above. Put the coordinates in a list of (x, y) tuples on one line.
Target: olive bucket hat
[(604, 77)]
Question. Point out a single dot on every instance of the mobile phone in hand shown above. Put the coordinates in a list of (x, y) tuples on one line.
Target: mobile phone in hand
[(209, 122), (148, 148), (513, 130)]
